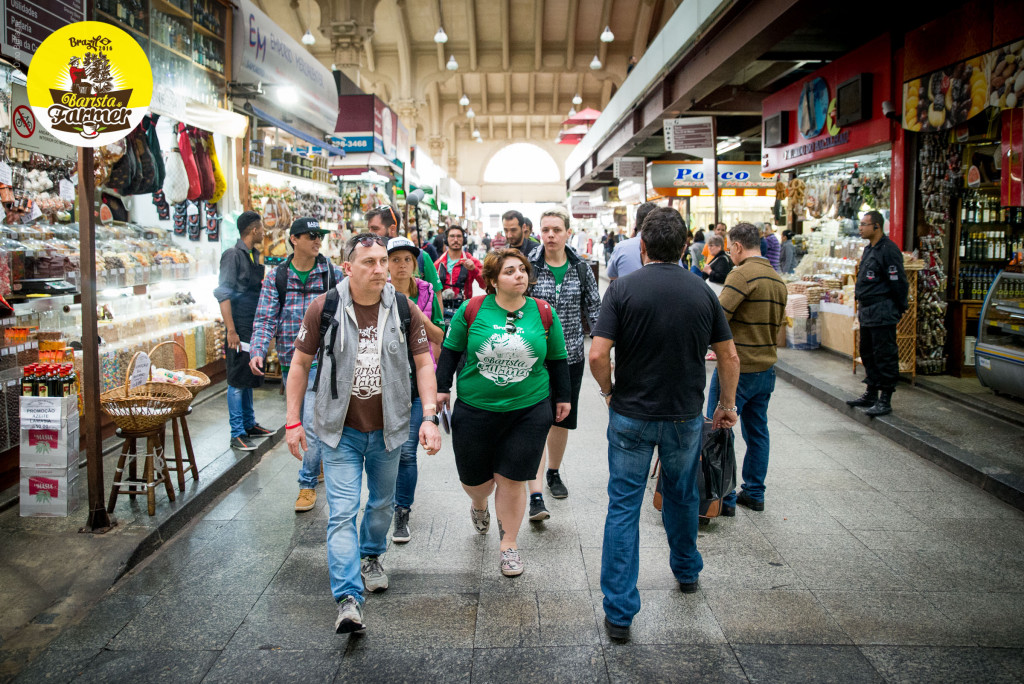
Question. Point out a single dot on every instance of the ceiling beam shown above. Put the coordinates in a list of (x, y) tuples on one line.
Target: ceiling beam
[(490, 127), (505, 30), (579, 85), (508, 120), (533, 91), (435, 11), (508, 93), (404, 52), (471, 24), (554, 93), (547, 128), (606, 18), (538, 34), (483, 93), (732, 100), (529, 120), (570, 34), (643, 28), (606, 93), (774, 73)]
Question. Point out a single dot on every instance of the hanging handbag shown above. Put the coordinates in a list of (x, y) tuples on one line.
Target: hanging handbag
[(176, 177), (220, 183), (153, 142), (124, 172), (195, 188), (204, 164), (147, 182)]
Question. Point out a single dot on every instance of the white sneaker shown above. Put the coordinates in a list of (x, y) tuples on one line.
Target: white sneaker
[(350, 616), (374, 578)]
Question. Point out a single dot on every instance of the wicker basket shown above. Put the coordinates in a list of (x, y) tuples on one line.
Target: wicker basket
[(203, 378), (146, 407)]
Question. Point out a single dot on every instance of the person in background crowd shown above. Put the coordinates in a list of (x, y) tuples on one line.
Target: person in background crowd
[(787, 253), (361, 414), (695, 252), (719, 229), (631, 65), (386, 222), (567, 283), (513, 223), (773, 248), (402, 254), (241, 278), (660, 320), (486, 241), (499, 241), (754, 301), (306, 275), (426, 245), (719, 265), (527, 227), (458, 271), (439, 241), (626, 255), (515, 363), (881, 292)]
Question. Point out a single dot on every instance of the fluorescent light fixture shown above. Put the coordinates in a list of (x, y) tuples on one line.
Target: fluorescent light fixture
[(286, 94), (440, 36), (728, 145), (479, 139), (728, 192), (307, 38), (476, 132), (470, 113), (452, 65), (595, 63), (464, 100), (607, 36), (576, 99)]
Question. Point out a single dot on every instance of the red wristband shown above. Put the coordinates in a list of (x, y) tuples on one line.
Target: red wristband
[(292, 427)]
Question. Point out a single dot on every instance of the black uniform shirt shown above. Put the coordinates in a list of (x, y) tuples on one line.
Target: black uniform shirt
[(882, 285)]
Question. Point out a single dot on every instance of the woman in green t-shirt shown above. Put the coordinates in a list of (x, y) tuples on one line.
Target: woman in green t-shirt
[(501, 418)]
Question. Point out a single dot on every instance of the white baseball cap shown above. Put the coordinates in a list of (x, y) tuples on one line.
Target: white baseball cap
[(397, 243)]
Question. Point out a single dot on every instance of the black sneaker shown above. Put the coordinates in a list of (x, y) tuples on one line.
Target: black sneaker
[(558, 489), (616, 632), (257, 431), (689, 587), (743, 499), (241, 443), (537, 509), (401, 533)]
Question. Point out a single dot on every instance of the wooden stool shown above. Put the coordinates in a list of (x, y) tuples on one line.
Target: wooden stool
[(153, 461), (176, 462)]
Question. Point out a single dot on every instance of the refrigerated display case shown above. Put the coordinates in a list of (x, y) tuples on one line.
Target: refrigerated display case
[(999, 352)]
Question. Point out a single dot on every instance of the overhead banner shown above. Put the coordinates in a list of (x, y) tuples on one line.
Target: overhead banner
[(366, 124), (731, 174), (690, 135), (629, 168), (264, 53)]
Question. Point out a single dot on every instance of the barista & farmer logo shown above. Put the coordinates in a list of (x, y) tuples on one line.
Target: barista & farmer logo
[(90, 84)]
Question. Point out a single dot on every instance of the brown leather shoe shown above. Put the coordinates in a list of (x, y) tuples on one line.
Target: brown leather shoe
[(306, 500)]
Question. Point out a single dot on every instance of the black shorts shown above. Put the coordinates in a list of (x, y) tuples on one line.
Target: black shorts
[(575, 382), (510, 443)]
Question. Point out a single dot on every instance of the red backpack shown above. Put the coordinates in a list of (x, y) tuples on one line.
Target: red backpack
[(474, 304)]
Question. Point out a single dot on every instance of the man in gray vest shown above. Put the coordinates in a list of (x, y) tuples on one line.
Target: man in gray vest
[(362, 412)]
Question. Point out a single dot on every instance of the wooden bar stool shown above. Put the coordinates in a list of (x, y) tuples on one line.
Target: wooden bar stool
[(176, 462), (154, 468)]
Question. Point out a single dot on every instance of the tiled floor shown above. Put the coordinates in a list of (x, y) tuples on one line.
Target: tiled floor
[(868, 564)]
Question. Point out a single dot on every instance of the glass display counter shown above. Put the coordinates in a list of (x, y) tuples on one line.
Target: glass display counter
[(999, 353)]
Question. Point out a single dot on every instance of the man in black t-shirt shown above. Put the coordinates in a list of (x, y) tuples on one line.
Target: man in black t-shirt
[(661, 320)]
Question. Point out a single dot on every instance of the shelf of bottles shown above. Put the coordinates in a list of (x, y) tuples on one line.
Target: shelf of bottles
[(171, 32), (991, 237), (208, 53)]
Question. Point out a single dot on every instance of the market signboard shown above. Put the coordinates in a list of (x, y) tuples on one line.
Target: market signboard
[(265, 53), (812, 130), (693, 135), (366, 124), (731, 174), (27, 23), (581, 207)]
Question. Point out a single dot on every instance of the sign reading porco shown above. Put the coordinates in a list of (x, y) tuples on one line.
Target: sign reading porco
[(90, 84)]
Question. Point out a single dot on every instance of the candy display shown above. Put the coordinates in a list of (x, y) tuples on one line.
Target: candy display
[(174, 377)]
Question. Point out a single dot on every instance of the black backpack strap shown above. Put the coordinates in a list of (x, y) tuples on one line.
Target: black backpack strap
[(328, 324), (281, 281), (405, 315)]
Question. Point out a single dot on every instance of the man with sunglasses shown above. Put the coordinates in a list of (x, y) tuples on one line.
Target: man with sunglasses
[(385, 221), (305, 275), (457, 271), (362, 412)]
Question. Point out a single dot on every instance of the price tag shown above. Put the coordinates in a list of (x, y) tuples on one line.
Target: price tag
[(6, 177), (67, 190), (35, 213), (140, 373)]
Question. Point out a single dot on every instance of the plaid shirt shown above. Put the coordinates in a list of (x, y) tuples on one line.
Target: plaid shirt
[(572, 300), (286, 326)]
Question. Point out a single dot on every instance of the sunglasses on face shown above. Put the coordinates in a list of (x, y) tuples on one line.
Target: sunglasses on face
[(314, 236), (510, 324), (366, 241)]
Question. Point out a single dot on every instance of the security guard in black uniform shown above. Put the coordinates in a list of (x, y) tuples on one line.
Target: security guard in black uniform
[(882, 290)]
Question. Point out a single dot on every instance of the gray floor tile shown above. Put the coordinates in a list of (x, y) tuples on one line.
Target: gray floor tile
[(147, 666), (171, 623), (575, 664), (672, 663), (755, 571), (808, 664), (105, 620), (993, 619), (562, 618), (896, 618), (668, 617), (546, 569), (843, 570), (940, 665), (289, 622), (412, 569), (365, 663), (274, 666), (303, 572), (774, 617), (57, 665)]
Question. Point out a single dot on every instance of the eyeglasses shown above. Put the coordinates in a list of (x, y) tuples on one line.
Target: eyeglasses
[(510, 324), (381, 208), (366, 241)]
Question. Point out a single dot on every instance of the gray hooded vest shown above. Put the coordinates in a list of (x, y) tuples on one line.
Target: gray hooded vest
[(396, 386)]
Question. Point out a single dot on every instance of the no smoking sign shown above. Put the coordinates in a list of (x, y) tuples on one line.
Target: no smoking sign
[(24, 122)]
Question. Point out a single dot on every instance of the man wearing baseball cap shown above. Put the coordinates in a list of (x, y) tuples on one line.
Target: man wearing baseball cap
[(287, 292)]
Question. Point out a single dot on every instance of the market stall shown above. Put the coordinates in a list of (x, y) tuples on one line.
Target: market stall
[(744, 195)]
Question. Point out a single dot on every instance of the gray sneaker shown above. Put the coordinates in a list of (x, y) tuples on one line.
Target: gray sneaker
[(350, 616), (374, 578), (481, 519), (511, 563), (401, 535)]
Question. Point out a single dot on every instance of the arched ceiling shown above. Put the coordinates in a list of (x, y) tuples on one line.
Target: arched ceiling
[(520, 62)]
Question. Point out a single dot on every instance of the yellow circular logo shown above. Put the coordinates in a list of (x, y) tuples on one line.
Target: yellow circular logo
[(90, 84)]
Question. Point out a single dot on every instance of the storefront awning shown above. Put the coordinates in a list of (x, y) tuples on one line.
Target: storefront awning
[(357, 162), (288, 128), (206, 117)]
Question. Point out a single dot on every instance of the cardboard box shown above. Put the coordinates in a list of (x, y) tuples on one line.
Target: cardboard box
[(49, 492), (49, 447), (49, 412)]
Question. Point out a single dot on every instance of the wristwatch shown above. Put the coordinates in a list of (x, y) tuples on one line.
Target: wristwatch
[(608, 393), (432, 419)]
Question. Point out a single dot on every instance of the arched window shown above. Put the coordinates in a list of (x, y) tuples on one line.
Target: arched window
[(522, 163)]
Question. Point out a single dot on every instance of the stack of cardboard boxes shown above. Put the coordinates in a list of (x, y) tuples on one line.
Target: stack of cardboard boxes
[(49, 456)]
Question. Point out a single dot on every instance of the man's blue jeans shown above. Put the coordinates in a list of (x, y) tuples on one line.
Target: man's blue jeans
[(752, 395), (240, 413), (343, 477), (405, 490), (631, 445), (309, 472)]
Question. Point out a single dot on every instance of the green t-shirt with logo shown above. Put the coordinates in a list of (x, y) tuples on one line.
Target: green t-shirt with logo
[(302, 275), (559, 272), (504, 371)]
